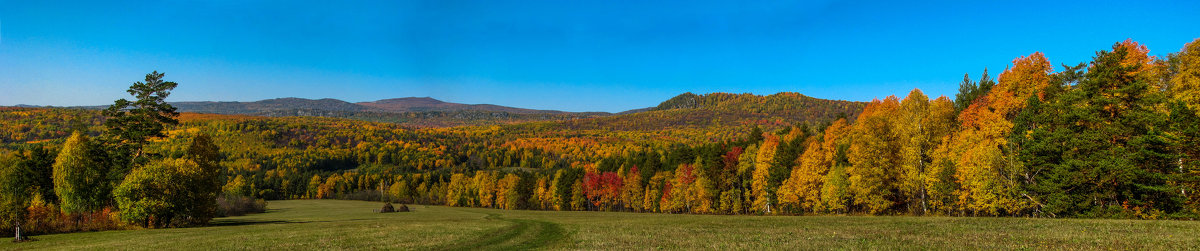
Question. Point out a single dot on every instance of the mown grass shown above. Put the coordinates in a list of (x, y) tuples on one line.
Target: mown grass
[(331, 224)]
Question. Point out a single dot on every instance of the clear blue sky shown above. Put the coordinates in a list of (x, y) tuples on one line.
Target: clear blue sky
[(565, 55)]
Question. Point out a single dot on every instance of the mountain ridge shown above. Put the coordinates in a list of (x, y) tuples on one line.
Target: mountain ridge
[(392, 105), (686, 109), (426, 104)]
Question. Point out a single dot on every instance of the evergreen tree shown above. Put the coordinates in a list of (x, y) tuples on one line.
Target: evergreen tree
[(969, 91), (205, 185), (40, 161), (1186, 127), (131, 124), (1101, 148)]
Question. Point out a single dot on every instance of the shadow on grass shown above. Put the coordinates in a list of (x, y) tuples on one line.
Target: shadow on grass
[(227, 223), (238, 222)]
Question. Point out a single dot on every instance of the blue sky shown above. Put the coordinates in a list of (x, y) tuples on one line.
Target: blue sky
[(564, 55)]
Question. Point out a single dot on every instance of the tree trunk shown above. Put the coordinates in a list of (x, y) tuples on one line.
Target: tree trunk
[(1182, 189), (18, 232), (1039, 204), (924, 208)]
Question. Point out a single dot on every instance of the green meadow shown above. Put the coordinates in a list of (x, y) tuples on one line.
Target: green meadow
[(335, 224)]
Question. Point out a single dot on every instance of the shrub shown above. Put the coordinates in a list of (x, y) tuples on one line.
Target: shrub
[(46, 218), (233, 205), (364, 195), (387, 208), (155, 194)]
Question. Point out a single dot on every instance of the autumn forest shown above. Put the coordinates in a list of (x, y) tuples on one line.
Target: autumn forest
[(1116, 137)]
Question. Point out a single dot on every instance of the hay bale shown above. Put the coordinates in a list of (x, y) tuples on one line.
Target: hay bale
[(387, 208)]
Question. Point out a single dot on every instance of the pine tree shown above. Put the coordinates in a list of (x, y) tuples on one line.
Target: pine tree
[(131, 124), (1101, 148)]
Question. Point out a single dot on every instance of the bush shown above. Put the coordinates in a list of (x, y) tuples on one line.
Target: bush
[(364, 195), (387, 208), (46, 218), (232, 205), (402, 208), (167, 193)]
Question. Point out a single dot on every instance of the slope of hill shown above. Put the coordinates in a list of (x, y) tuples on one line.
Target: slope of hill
[(723, 110)]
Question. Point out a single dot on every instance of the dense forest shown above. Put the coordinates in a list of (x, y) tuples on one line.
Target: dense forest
[(1117, 137)]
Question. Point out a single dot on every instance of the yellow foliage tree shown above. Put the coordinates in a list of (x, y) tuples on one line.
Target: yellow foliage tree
[(915, 147), (984, 173), (633, 192), (939, 183), (1185, 77), (485, 182), (803, 187), (762, 169), (458, 190), (874, 157), (507, 196)]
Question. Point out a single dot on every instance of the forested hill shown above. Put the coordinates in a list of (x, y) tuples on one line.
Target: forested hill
[(715, 111), (788, 104)]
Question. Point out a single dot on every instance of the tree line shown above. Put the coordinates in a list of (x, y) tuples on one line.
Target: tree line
[(1115, 137)]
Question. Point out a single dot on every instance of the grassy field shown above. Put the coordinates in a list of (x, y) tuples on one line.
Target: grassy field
[(332, 224)]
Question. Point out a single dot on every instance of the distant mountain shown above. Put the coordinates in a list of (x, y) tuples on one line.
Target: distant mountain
[(427, 104), (636, 110), (397, 105), (687, 110), (268, 107), (412, 111)]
